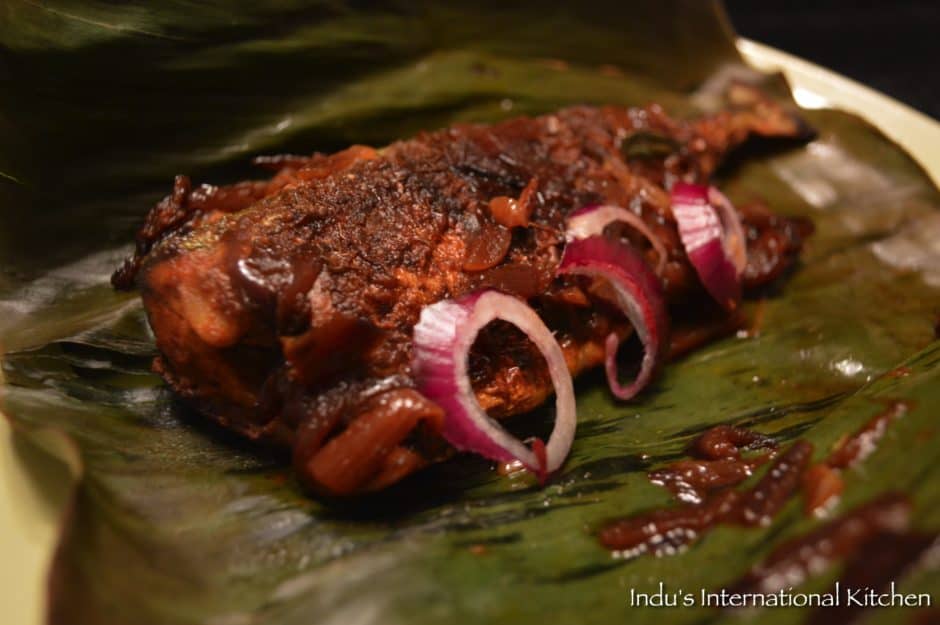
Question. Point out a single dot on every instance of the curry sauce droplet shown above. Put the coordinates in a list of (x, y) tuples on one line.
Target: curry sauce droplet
[(486, 248), (511, 212)]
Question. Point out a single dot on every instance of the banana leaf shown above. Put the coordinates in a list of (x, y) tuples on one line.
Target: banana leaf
[(174, 522)]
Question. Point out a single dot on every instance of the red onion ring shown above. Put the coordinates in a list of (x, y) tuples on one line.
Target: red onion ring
[(733, 239), (637, 292), (591, 220), (713, 239), (442, 341)]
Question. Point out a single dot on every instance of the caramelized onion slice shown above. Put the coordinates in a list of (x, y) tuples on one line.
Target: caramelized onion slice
[(442, 341)]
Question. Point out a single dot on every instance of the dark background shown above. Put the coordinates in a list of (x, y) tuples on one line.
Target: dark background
[(893, 47)]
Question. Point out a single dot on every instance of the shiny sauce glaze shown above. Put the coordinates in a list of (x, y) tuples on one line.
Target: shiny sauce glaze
[(703, 484), (800, 558), (823, 483), (874, 539), (667, 531), (857, 447), (886, 557), (717, 463)]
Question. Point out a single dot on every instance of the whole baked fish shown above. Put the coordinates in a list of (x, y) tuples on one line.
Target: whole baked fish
[(284, 309)]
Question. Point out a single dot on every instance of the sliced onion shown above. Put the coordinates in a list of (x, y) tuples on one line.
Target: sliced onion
[(442, 341), (636, 291), (591, 220), (713, 239), (733, 239)]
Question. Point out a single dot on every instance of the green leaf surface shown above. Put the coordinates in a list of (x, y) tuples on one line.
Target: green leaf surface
[(175, 522)]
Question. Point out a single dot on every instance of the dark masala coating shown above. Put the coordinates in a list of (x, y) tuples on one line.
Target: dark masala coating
[(284, 309)]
